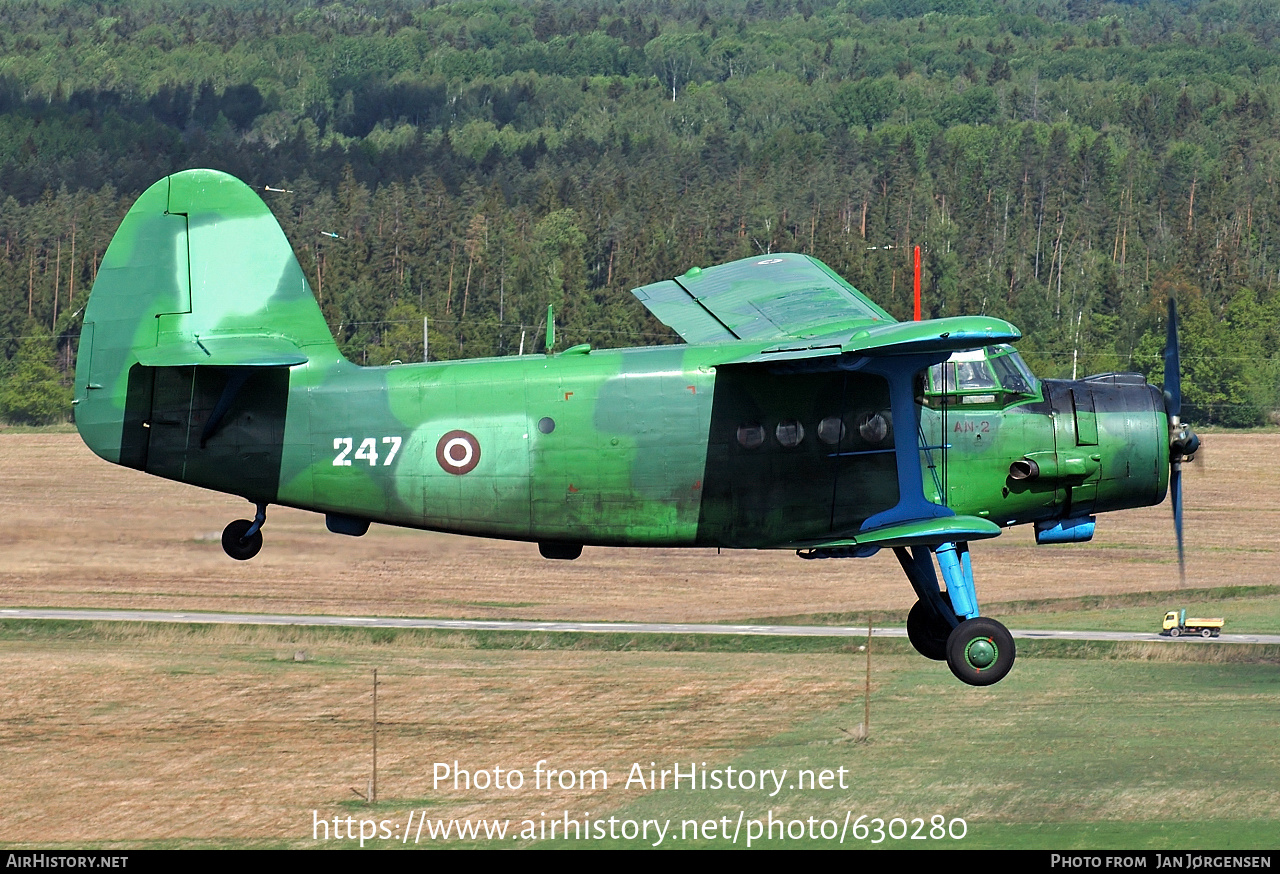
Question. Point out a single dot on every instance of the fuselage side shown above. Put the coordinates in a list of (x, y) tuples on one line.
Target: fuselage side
[(654, 446), (605, 447)]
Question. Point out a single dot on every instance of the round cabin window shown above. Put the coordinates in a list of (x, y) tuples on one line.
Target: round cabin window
[(750, 436), (873, 428), (790, 433), (831, 430)]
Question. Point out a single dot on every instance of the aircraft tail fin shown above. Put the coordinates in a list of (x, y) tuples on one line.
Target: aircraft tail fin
[(198, 284)]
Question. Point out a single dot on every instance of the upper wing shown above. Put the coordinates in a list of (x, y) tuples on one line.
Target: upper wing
[(778, 296), (894, 338), (808, 308)]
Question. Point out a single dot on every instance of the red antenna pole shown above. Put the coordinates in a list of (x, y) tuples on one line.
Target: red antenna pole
[(917, 283)]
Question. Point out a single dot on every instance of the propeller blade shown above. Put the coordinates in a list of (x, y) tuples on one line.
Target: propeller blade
[(1183, 442), (1175, 495), (1172, 366)]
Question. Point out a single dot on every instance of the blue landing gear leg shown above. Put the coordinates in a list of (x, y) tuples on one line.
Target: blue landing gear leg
[(242, 539), (946, 625)]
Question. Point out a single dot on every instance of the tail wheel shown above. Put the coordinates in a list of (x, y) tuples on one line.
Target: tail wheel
[(236, 545), (928, 632), (980, 651)]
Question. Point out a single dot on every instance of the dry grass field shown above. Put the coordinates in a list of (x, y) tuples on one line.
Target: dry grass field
[(164, 735), (158, 737)]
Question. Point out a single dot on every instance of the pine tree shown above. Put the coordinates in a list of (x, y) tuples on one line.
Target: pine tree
[(31, 393)]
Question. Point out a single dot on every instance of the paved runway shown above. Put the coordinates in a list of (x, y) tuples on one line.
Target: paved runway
[(588, 627)]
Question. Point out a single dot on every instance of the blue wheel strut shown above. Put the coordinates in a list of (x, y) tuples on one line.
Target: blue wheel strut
[(259, 519), (957, 572), (961, 601)]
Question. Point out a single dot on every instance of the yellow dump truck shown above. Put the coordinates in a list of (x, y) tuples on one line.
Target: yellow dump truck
[(1177, 624)]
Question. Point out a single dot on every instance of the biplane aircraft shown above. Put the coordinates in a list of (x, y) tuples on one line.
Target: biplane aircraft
[(796, 415)]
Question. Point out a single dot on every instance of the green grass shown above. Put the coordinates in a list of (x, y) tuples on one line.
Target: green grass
[(1247, 610), (1061, 755), (1243, 615), (58, 428)]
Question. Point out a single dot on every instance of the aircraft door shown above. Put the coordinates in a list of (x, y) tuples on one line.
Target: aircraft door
[(217, 427), (861, 442), (796, 457)]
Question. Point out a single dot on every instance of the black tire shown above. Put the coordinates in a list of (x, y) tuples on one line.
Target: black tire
[(928, 632), (1175, 632), (1206, 633), (980, 651), (1216, 632), (236, 545)]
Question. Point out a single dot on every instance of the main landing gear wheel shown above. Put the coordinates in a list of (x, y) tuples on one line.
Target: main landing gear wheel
[(980, 651), (236, 545), (928, 632)]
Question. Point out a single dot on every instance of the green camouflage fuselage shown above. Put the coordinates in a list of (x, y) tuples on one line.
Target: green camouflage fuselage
[(204, 359)]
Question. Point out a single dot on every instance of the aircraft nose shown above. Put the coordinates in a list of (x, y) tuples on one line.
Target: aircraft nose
[(1183, 443), (1131, 432)]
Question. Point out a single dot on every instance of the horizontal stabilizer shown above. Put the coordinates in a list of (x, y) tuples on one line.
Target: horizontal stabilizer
[(224, 351), (916, 532)]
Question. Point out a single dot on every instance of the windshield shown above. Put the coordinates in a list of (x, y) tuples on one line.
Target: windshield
[(978, 375), (1012, 371)]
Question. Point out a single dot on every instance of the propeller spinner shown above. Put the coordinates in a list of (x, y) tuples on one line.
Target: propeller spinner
[(1183, 442)]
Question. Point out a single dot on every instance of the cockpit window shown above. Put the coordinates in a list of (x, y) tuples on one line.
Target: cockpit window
[(962, 372), (963, 376), (1012, 371), (996, 375)]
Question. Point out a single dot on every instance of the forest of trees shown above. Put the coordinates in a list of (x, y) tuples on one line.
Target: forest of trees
[(1065, 164)]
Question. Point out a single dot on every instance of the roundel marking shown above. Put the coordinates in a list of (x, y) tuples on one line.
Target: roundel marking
[(769, 261), (458, 452)]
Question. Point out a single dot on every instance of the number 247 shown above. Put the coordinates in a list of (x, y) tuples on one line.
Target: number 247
[(367, 451)]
